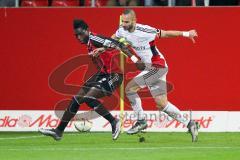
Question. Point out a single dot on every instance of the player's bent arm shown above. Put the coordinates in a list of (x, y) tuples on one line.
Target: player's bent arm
[(108, 43), (128, 50), (117, 44), (104, 48)]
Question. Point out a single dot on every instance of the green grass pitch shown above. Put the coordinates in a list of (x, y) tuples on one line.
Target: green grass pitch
[(100, 146)]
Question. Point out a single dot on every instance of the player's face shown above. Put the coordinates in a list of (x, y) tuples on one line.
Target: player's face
[(128, 22), (82, 35)]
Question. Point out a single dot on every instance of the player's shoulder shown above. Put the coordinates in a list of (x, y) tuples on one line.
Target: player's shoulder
[(120, 29), (139, 25), (120, 32), (145, 28)]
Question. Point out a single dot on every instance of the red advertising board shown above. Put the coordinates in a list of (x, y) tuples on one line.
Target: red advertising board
[(36, 42)]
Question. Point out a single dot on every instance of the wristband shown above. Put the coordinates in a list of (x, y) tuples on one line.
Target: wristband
[(134, 59), (186, 34)]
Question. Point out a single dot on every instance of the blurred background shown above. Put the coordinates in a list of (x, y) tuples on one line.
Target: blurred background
[(104, 3)]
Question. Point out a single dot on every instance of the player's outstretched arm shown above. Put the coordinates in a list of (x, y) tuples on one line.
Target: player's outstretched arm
[(191, 34)]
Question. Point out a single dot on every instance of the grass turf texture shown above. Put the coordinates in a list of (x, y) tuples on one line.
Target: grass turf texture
[(94, 146)]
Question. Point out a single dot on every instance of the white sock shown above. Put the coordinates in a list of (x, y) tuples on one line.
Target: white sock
[(175, 113), (136, 104)]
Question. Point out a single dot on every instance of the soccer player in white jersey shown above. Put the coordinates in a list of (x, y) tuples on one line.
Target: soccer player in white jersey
[(142, 38)]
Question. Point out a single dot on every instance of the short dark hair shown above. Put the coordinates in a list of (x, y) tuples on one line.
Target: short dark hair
[(128, 11), (79, 23)]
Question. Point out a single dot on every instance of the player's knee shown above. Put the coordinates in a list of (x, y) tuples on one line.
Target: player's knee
[(161, 102), (91, 102), (79, 99)]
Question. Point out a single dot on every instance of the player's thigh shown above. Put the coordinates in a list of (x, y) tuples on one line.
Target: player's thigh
[(83, 90), (138, 81), (150, 76), (95, 93), (102, 85), (158, 88), (88, 85), (132, 86), (155, 76)]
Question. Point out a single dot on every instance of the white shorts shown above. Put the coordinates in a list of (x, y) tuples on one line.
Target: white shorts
[(154, 79)]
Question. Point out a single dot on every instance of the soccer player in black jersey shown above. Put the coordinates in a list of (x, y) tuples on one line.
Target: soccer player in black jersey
[(103, 83)]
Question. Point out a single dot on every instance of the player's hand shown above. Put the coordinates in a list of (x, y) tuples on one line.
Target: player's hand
[(193, 34), (96, 52), (140, 65)]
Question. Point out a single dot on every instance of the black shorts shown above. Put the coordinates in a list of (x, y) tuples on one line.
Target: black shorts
[(107, 83)]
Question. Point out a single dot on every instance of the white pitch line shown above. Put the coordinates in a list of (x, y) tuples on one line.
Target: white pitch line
[(25, 137), (28, 137), (95, 149)]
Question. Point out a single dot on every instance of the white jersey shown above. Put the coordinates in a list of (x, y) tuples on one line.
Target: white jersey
[(142, 40)]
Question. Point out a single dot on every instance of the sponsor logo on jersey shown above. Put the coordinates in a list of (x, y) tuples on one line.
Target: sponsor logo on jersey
[(140, 48)]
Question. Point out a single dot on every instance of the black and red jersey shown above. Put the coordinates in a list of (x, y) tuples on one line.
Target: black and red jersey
[(108, 61)]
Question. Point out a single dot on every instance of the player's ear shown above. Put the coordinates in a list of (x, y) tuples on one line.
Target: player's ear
[(134, 20)]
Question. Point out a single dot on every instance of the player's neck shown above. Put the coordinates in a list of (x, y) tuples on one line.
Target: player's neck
[(132, 29)]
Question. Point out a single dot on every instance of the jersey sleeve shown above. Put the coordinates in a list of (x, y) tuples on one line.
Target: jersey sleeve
[(109, 43), (151, 32), (101, 41), (119, 33)]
